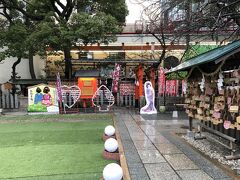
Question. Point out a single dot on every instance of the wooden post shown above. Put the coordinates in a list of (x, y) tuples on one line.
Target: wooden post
[(140, 88), (16, 100), (133, 101), (8, 99), (1, 105), (190, 123), (3, 101), (121, 100), (118, 99), (140, 80), (101, 99), (130, 100), (126, 100)]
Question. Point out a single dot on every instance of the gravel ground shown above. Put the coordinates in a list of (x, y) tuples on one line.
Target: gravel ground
[(214, 150)]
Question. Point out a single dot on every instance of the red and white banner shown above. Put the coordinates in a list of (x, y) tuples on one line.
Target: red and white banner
[(127, 89), (184, 87), (161, 81), (116, 76), (171, 88)]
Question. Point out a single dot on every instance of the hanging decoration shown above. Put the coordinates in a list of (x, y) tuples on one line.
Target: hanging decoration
[(184, 87), (136, 83), (202, 84), (220, 81), (70, 95)]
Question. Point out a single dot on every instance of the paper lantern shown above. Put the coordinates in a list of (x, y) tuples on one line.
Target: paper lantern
[(111, 145), (109, 130), (112, 171)]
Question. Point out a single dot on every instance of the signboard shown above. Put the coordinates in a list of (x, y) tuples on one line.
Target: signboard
[(127, 89), (42, 98), (88, 87)]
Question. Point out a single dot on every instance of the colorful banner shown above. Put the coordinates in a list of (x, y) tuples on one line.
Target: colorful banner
[(116, 76), (42, 98), (161, 81), (171, 88)]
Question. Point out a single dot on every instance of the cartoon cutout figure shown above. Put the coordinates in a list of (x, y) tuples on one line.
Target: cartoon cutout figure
[(38, 96), (46, 97), (149, 108)]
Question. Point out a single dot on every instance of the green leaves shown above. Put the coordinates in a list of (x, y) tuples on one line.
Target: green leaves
[(38, 24), (94, 28), (14, 38)]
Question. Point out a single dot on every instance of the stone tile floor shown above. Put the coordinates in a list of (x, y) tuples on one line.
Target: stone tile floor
[(153, 150)]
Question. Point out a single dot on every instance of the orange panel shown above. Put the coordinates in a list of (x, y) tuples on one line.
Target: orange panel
[(88, 87)]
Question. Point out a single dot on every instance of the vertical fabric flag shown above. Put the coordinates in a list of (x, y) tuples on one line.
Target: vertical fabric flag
[(161, 81), (171, 87), (59, 88), (184, 87), (116, 76)]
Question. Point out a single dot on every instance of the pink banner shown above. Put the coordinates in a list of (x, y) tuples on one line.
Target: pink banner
[(171, 88), (116, 76), (161, 81)]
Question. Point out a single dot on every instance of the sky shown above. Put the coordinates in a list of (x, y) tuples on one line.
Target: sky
[(134, 11)]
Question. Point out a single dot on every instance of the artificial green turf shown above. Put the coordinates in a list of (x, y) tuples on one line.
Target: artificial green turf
[(52, 150), (92, 116)]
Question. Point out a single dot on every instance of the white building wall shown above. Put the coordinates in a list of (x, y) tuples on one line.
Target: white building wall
[(39, 65), (22, 69)]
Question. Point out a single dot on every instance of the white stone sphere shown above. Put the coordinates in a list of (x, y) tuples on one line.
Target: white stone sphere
[(112, 171), (111, 145), (109, 130)]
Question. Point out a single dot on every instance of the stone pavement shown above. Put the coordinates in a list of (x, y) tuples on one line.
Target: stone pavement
[(154, 151)]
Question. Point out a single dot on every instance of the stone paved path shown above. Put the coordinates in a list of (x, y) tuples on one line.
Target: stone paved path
[(154, 151)]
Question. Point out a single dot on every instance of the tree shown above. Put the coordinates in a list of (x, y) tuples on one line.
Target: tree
[(15, 31), (13, 36), (62, 25), (184, 21)]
